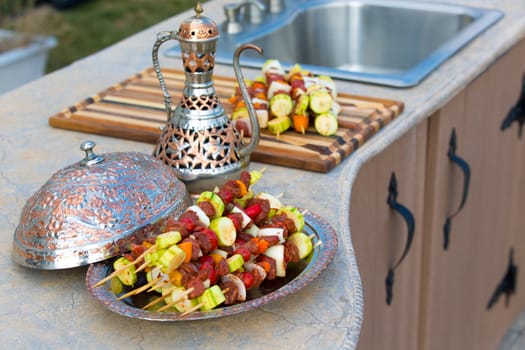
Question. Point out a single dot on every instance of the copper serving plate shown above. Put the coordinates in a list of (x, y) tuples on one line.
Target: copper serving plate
[(298, 276)]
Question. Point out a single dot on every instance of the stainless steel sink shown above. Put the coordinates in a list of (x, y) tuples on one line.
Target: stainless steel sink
[(388, 42)]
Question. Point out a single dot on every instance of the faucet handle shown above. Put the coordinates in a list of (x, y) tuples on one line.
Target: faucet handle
[(233, 18), (254, 11), (275, 6), (232, 12)]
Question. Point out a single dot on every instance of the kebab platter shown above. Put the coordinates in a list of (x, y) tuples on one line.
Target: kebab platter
[(227, 249)]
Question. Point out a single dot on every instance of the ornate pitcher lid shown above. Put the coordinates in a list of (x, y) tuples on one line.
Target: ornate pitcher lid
[(92, 210), (198, 28)]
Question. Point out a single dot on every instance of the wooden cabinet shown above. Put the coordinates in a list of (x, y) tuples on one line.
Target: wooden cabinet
[(379, 237), (514, 174), (459, 282), (441, 296)]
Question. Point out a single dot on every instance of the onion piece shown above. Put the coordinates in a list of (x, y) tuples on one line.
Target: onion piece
[(250, 267), (277, 253), (272, 231), (238, 283), (246, 220), (203, 218)]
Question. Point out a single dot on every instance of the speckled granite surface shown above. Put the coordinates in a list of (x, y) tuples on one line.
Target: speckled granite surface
[(53, 309), (515, 337)]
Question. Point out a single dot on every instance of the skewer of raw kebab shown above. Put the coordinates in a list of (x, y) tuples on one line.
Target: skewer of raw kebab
[(234, 263), (244, 273), (232, 190), (288, 100), (185, 220)]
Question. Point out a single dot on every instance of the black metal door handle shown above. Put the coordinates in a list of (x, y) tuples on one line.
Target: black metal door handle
[(409, 219), (466, 183), (507, 285), (517, 112)]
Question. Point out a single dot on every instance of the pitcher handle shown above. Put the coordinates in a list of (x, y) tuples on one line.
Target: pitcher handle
[(162, 37), (254, 140)]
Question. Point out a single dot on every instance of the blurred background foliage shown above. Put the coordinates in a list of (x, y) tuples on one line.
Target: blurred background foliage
[(83, 27)]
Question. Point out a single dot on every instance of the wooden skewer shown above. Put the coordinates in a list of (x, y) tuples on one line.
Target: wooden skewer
[(168, 305), (141, 267), (116, 272), (195, 308), (160, 285), (153, 302), (173, 302), (198, 306), (318, 243), (140, 289)]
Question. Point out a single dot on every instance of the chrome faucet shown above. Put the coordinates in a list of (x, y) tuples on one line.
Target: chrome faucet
[(275, 6), (253, 13)]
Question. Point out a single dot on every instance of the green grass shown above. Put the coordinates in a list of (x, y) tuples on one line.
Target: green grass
[(96, 24)]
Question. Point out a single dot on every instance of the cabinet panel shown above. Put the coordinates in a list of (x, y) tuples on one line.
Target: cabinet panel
[(379, 235), (459, 282), (510, 94)]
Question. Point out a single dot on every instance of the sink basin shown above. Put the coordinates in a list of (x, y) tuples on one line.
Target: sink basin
[(389, 42)]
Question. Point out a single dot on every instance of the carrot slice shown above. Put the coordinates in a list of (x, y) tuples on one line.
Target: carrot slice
[(234, 99), (262, 245), (262, 96), (176, 278), (300, 122), (216, 258), (259, 85), (265, 265), (242, 187), (187, 248), (240, 103)]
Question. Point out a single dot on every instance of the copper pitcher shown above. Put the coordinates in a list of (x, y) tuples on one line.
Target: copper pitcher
[(199, 141)]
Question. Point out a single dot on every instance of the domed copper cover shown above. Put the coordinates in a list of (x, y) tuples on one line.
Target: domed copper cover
[(94, 209), (198, 28)]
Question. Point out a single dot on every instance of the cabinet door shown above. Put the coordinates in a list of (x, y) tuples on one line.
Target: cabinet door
[(509, 95), (379, 235), (459, 282)]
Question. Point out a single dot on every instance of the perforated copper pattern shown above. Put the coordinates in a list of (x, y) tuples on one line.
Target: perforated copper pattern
[(198, 62), (201, 103), (203, 150)]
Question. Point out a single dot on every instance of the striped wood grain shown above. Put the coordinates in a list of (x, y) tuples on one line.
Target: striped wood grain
[(134, 109)]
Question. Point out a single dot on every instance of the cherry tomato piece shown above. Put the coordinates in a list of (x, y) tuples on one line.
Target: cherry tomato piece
[(247, 279)]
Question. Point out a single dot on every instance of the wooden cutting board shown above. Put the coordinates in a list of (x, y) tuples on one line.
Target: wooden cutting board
[(134, 109)]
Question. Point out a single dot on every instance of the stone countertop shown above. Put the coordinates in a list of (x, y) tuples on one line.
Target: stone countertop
[(53, 309)]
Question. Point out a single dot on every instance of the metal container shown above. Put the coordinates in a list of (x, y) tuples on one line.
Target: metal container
[(94, 209), (199, 141)]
